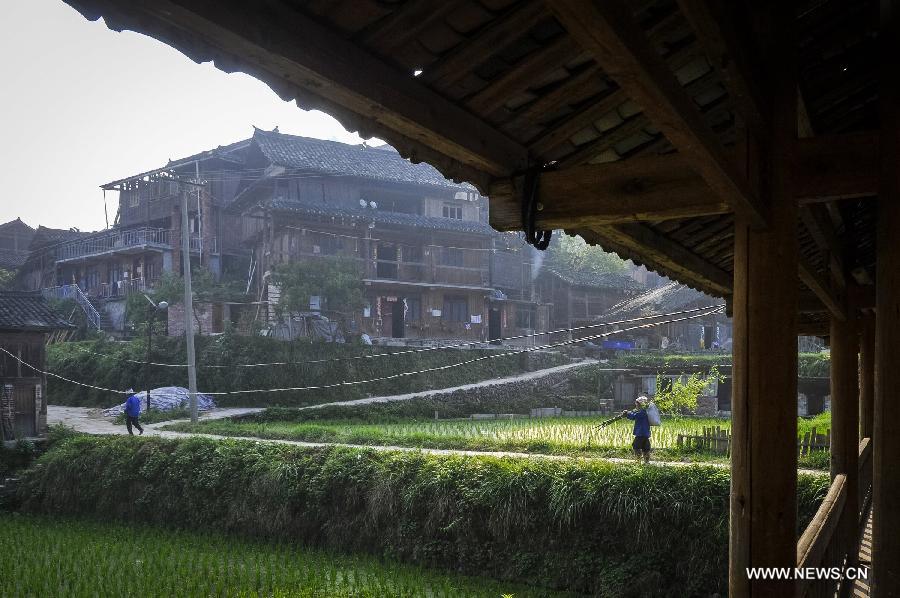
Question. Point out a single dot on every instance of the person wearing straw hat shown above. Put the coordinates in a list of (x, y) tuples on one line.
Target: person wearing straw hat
[(641, 443)]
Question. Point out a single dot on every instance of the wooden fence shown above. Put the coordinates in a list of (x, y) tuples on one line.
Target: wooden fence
[(718, 440)]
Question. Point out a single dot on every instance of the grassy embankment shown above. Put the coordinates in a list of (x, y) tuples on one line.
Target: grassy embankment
[(562, 525)]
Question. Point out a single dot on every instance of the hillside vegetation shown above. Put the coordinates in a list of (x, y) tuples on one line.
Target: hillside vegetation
[(222, 360)]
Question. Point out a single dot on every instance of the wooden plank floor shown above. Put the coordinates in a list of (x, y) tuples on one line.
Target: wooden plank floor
[(861, 586)]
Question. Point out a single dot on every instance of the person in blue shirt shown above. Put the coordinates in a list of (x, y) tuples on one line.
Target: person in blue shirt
[(132, 413), (641, 444)]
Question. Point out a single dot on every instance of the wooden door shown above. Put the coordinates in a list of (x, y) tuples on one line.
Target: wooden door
[(24, 423)]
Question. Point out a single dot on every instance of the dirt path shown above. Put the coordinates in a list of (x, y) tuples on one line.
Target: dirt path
[(91, 421)]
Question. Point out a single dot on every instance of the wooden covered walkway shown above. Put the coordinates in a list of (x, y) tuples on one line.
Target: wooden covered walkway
[(749, 149)]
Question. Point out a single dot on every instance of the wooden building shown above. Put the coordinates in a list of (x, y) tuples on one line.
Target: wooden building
[(25, 321), (746, 149), (15, 237)]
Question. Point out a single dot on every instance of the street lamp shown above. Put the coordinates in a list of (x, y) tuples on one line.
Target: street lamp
[(154, 309)]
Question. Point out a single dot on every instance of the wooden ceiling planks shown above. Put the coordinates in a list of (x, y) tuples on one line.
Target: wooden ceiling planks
[(511, 118)]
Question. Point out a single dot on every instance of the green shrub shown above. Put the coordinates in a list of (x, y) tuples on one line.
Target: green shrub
[(586, 526), (18, 457), (123, 368)]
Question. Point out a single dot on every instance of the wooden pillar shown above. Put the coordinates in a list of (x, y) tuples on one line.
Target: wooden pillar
[(763, 522), (886, 433), (845, 425), (866, 374)]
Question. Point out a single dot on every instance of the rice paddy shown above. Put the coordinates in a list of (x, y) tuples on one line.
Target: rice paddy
[(559, 435), (63, 557)]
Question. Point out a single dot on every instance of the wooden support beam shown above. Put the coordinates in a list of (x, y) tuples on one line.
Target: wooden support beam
[(763, 504), (866, 374), (820, 229), (819, 285), (661, 253), (845, 428), (608, 31), (325, 71), (729, 47), (886, 434), (833, 167), (647, 188)]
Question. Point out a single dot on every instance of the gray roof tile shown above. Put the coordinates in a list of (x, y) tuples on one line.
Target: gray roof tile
[(26, 311)]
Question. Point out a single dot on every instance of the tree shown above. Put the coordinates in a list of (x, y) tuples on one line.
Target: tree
[(335, 280), (573, 253), (6, 279), (675, 396)]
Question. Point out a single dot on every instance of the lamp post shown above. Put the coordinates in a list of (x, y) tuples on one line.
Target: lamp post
[(155, 309)]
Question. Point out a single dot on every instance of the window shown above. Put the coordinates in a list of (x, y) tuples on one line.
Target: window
[(452, 211), (413, 309), (456, 309), (452, 256), (524, 317), (332, 245)]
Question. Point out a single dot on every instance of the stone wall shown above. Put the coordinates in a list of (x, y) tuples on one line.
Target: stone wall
[(202, 313)]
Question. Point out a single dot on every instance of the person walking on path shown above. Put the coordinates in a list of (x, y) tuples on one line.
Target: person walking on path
[(641, 444), (132, 413)]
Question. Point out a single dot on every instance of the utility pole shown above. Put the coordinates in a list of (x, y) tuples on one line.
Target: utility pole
[(188, 303)]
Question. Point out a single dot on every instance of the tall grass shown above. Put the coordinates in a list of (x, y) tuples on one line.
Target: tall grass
[(40, 556), (584, 526)]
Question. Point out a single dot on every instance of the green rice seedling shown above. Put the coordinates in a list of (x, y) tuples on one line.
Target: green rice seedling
[(560, 435), (40, 556)]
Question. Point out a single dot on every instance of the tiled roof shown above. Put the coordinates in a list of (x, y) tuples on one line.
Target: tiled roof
[(588, 278), (16, 224), (316, 155), (45, 236), (28, 311), (383, 217), (667, 298), (10, 259)]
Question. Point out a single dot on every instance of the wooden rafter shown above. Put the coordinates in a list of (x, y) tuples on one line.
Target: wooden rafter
[(837, 166), (500, 32), (661, 253), (608, 31), (650, 188), (820, 229), (819, 285), (337, 73), (542, 61), (729, 49)]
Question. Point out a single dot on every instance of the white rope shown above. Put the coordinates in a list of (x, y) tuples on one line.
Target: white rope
[(447, 367), (392, 376), (406, 352), (26, 364)]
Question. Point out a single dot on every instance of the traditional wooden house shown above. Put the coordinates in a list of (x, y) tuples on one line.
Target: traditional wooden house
[(25, 321), (709, 332), (15, 237), (579, 297)]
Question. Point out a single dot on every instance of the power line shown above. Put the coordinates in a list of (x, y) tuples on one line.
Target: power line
[(389, 377), (450, 366), (406, 352)]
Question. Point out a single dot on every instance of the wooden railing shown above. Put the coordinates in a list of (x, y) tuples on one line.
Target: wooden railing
[(816, 547), (824, 544), (865, 479)]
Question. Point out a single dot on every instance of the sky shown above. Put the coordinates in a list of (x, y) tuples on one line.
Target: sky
[(82, 105)]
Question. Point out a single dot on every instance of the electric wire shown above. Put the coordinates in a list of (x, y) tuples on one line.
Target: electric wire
[(709, 311), (395, 353)]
